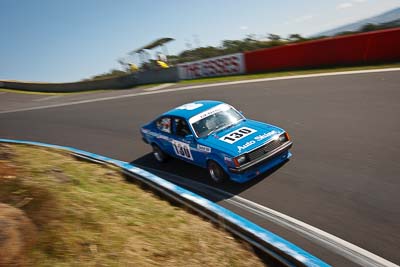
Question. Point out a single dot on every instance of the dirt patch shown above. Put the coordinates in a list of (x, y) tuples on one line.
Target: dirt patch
[(82, 214), (17, 236), (5, 152), (7, 169)]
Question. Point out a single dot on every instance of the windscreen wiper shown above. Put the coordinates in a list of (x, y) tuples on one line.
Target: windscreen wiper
[(222, 128)]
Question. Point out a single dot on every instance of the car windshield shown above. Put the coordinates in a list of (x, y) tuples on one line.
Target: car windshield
[(218, 120)]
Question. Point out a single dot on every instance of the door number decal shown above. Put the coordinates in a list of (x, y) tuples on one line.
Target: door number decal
[(182, 149)]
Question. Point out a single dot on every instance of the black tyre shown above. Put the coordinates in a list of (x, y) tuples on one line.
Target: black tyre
[(217, 174), (159, 155)]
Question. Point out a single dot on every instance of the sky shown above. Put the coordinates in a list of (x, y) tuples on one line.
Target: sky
[(70, 40)]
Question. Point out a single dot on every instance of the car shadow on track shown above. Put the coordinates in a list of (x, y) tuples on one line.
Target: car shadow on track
[(190, 177)]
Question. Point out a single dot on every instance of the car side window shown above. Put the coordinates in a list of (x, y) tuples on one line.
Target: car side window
[(181, 127), (164, 124)]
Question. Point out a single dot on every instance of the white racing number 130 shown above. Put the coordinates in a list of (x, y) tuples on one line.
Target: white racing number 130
[(237, 135), (182, 149)]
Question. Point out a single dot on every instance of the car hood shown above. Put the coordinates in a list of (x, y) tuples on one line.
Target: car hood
[(260, 133)]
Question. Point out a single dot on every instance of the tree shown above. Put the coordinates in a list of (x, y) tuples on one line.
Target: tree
[(369, 27), (111, 74), (274, 37), (295, 37)]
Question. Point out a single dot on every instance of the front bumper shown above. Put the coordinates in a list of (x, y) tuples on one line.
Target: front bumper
[(260, 161), (257, 170)]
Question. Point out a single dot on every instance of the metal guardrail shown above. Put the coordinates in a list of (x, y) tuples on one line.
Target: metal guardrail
[(276, 247)]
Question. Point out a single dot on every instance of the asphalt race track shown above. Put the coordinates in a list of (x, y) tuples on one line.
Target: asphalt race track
[(343, 177)]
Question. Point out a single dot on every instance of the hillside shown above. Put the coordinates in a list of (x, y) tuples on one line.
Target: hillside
[(389, 16)]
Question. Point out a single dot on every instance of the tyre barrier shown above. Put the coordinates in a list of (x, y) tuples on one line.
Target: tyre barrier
[(276, 247)]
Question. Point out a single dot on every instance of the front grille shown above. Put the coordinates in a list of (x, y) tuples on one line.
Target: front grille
[(265, 149)]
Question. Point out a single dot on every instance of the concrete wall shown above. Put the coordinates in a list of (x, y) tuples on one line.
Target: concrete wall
[(112, 83), (128, 81), (158, 76), (362, 48)]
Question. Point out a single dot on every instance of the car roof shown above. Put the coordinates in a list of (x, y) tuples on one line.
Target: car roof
[(191, 109)]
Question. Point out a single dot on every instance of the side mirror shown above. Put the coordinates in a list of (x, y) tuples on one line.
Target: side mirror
[(189, 138)]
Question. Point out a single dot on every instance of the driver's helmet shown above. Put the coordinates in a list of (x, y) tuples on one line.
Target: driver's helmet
[(211, 123)]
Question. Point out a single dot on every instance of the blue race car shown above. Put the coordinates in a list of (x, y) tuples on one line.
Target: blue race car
[(214, 135)]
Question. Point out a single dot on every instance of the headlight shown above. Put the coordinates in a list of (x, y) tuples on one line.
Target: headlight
[(284, 137), (240, 160)]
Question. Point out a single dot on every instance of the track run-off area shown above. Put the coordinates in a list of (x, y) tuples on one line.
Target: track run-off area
[(338, 197)]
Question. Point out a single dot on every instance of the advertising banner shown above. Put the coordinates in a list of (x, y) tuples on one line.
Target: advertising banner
[(212, 67)]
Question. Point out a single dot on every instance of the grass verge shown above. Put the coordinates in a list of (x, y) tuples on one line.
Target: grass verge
[(52, 93), (233, 78), (288, 73), (89, 215), (75, 93)]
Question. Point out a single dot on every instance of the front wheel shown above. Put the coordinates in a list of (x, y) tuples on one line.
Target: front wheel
[(217, 174), (159, 155)]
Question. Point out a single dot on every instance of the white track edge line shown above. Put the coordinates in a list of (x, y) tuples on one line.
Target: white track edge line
[(201, 86), (212, 218), (161, 86), (348, 250), (331, 240), (46, 98)]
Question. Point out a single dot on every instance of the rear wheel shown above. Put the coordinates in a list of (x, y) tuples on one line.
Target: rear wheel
[(158, 154), (217, 174)]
